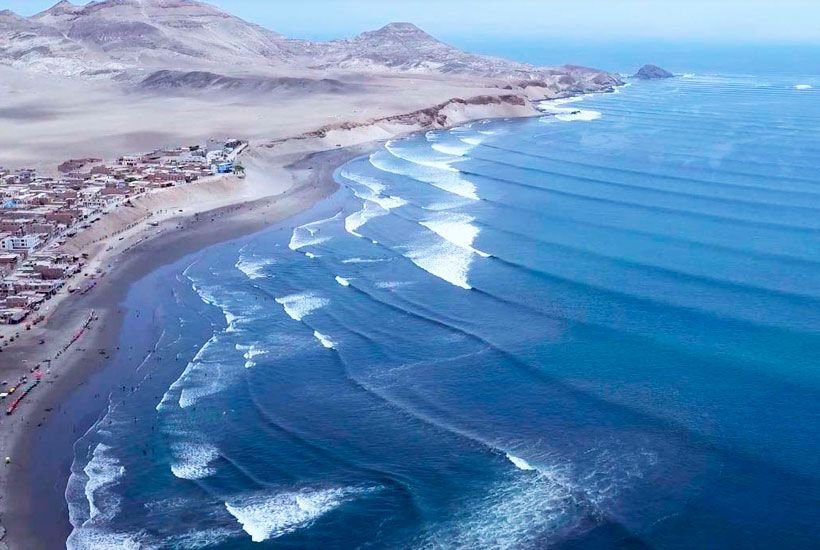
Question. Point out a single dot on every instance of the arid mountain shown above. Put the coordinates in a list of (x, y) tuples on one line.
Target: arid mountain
[(163, 32), (404, 47), (196, 45), (29, 44)]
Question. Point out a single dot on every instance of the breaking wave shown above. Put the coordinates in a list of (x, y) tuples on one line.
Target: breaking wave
[(443, 259), (369, 211), (265, 517), (520, 463), (514, 513), (299, 306), (192, 460), (457, 229), (310, 234), (254, 268), (438, 173), (324, 340), (556, 108)]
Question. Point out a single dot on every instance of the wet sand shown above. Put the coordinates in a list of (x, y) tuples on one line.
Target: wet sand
[(40, 436)]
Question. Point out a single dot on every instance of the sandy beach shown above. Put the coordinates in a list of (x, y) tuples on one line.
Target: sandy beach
[(298, 136), (284, 177), (179, 74), (44, 525)]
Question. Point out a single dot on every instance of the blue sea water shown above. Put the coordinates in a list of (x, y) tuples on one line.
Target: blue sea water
[(595, 329)]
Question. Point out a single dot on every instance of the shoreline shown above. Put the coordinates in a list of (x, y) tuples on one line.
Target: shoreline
[(309, 162), (23, 519)]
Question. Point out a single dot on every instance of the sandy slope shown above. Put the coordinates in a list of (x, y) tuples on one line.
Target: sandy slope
[(47, 119)]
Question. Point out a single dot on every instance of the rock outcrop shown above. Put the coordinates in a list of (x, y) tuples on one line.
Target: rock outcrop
[(166, 81), (652, 72)]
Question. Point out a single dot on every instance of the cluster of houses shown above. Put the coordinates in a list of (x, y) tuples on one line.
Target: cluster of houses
[(39, 213)]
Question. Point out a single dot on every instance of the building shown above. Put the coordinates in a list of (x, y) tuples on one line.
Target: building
[(225, 167), (20, 243)]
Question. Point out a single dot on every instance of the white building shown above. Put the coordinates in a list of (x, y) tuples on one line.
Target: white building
[(26, 243)]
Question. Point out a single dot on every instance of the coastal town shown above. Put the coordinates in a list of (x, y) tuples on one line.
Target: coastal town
[(39, 214)]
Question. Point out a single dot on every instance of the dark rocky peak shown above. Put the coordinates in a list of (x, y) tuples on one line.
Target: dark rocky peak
[(652, 72), (60, 8), (398, 32)]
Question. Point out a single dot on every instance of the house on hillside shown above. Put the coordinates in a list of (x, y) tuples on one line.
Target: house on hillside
[(225, 167)]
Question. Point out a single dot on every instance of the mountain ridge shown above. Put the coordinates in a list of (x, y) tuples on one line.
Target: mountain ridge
[(127, 39)]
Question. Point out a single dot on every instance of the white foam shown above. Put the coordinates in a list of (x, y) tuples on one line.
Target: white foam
[(444, 206), (688, 75), (803, 87), (443, 259), (457, 229), (342, 281), (196, 362), (251, 352), (231, 319), (438, 173), (372, 184), (555, 107), (475, 141), (310, 234), (302, 238), (209, 296), (369, 211), (551, 103), (254, 268), (375, 204), (363, 261), (519, 512), (95, 538), (299, 306), (102, 471), (202, 386), (189, 368), (453, 149), (390, 285), (192, 460), (324, 340), (520, 463), (92, 538), (202, 377), (371, 189), (581, 116), (206, 538), (265, 517)]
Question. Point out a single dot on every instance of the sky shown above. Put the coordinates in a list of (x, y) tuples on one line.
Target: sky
[(720, 21)]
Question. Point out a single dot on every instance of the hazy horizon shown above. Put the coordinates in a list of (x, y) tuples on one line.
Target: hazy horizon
[(731, 21)]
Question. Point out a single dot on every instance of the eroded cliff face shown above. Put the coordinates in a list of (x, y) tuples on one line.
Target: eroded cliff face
[(443, 115)]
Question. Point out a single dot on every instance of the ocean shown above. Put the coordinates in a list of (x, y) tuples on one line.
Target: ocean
[(598, 328)]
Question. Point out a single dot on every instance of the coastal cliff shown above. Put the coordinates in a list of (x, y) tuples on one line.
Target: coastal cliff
[(117, 77), (443, 115)]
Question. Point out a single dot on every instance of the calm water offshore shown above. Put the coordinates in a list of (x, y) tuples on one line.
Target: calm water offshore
[(596, 329)]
